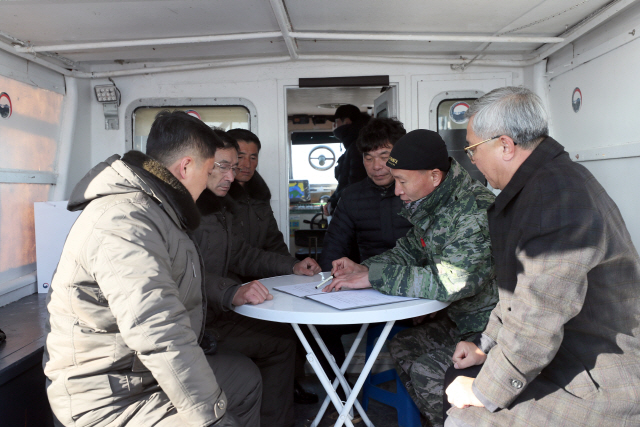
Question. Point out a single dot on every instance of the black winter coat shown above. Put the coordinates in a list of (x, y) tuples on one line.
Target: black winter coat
[(366, 222), (227, 256), (255, 217), (350, 168)]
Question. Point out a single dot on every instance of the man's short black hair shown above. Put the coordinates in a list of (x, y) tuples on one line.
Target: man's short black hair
[(176, 134), (348, 111), (228, 141), (378, 133), (245, 135)]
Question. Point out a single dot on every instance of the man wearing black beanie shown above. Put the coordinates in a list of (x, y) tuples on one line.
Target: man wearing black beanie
[(446, 256)]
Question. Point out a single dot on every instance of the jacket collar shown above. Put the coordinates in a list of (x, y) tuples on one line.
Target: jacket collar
[(385, 191), (548, 149), (208, 203), (255, 188), (169, 189)]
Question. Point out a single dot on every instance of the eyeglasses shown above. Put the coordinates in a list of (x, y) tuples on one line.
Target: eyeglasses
[(224, 168), (469, 150)]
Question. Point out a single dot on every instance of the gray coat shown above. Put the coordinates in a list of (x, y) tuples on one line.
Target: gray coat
[(125, 304), (227, 256), (564, 340)]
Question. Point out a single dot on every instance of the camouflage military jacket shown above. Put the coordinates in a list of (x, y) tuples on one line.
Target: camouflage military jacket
[(446, 256)]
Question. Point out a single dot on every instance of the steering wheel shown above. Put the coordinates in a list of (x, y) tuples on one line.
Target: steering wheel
[(324, 159), (322, 223)]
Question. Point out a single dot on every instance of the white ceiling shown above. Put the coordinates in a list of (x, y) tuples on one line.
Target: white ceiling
[(41, 23)]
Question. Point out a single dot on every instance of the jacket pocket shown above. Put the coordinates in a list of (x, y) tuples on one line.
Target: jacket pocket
[(88, 393), (184, 287), (568, 372)]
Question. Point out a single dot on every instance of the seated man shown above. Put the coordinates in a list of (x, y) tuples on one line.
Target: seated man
[(366, 220), (253, 211), (257, 224), (446, 256), (270, 345), (562, 347), (125, 304)]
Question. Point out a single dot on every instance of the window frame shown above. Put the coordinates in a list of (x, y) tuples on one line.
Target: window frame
[(129, 117)]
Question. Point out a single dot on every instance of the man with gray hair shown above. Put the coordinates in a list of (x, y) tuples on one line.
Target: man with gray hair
[(562, 346)]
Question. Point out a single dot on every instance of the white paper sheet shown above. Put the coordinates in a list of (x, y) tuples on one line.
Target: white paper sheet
[(302, 290), (344, 300)]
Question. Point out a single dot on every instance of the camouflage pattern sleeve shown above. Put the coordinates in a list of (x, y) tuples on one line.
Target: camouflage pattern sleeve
[(457, 266)]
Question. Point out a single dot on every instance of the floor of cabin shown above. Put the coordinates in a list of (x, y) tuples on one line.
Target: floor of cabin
[(380, 414)]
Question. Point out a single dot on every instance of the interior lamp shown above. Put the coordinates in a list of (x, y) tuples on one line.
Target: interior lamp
[(109, 97)]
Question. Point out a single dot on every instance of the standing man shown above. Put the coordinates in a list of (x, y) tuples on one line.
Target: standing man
[(562, 347), (270, 345), (126, 310), (446, 256), (348, 121)]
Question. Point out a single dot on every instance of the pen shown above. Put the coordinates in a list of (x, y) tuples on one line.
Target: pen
[(324, 282)]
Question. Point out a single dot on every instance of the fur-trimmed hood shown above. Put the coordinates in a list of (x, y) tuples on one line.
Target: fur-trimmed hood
[(255, 188), (132, 173)]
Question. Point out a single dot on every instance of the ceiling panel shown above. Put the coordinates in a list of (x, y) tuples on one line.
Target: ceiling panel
[(436, 16), (554, 17), (406, 16), (47, 22), (51, 22), (230, 49)]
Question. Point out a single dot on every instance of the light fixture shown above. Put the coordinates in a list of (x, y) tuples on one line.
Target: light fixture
[(109, 97), (332, 105)]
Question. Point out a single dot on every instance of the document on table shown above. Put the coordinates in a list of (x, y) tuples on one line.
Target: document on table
[(344, 300), (302, 290)]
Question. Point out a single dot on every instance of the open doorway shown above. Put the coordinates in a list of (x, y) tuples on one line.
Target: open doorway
[(315, 151)]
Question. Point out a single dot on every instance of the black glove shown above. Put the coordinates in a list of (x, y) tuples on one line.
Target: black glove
[(227, 420), (209, 343)]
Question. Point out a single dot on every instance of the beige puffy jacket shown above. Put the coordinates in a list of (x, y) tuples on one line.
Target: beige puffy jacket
[(125, 304)]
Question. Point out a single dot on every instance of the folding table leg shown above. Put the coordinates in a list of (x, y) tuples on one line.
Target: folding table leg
[(339, 372), (343, 418), (322, 376)]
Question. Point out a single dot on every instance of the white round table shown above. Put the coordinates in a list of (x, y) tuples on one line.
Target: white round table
[(285, 308)]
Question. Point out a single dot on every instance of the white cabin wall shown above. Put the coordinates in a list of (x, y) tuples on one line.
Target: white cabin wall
[(602, 134), (263, 85), (80, 159)]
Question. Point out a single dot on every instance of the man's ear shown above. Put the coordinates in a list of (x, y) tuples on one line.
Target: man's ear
[(508, 148), (436, 176), (186, 163)]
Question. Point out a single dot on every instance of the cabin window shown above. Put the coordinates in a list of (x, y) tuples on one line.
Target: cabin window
[(452, 127), (29, 132), (314, 156), (223, 117)]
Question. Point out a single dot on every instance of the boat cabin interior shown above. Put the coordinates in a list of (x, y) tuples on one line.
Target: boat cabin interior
[(83, 80)]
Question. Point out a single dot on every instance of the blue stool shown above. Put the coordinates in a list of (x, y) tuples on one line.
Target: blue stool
[(408, 413)]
